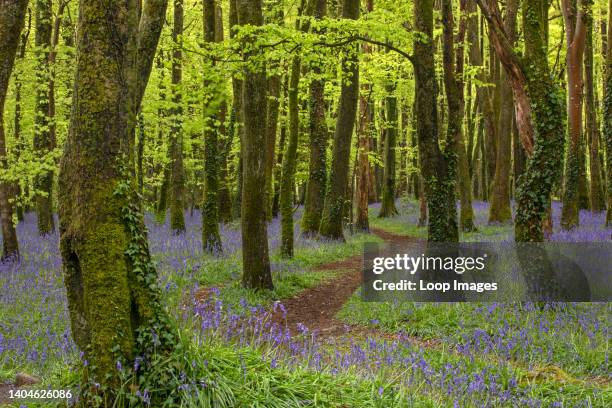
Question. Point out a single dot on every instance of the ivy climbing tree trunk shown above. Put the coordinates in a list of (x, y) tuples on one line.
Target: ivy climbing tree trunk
[(541, 129), (317, 166), (255, 259), (387, 207), (333, 209), (177, 169), (44, 134), (211, 239), (114, 300), (500, 211), (12, 14), (575, 14), (437, 166)]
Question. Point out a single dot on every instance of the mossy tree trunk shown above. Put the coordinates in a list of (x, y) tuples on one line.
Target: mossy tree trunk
[(287, 183), (597, 198), (12, 15), (44, 131), (19, 142), (255, 259), (238, 124), (317, 166), (387, 207), (453, 84), (177, 168), (276, 16), (607, 116), (500, 211), (114, 300), (211, 239), (575, 15), (538, 110), (333, 209), (437, 166)]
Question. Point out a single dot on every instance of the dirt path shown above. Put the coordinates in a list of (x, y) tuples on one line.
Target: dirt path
[(316, 307)]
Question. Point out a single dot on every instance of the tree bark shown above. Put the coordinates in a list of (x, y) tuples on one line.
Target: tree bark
[(333, 210), (437, 166), (287, 184), (44, 134), (255, 258), (453, 84), (211, 239), (317, 162), (12, 14), (114, 300), (575, 14), (500, 211), (531, 81), (387, 207), (177, 169), (597, 197), (607, 115)]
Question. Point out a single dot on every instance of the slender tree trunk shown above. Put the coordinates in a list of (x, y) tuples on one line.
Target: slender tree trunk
[(177, 169), (317, 166), (437, 166), (255, 259), (19, 143), (211, 239), (333, 210), (387, 208), (574, 15), (597, 197), (500, 211), (114, 300), (363, 176), (607, 110), (12, 14), (453, 72), (238, 127), (43, 135), (287, 186)]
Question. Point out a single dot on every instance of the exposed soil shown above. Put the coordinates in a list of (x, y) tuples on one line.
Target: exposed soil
[(316, 307)]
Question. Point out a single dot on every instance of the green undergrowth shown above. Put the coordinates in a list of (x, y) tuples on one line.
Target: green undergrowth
[(305, 270)]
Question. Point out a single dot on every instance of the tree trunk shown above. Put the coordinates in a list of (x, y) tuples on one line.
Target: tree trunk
[(333, 210), (387, 208), (317, 166), (500, 211), (607, 115), (43, 135), (114, 300), (363, 176), (19, 143), (437, 166), (574, 16), (597, 197), (12, 14), (289, 163), (531, 81), (453, 72), (211, 239), (177, 169), (255, 259)]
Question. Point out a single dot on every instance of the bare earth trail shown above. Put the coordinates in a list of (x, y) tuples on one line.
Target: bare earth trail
[(316, 307)]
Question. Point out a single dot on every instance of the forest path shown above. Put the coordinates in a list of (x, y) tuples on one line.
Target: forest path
[(316, 307)]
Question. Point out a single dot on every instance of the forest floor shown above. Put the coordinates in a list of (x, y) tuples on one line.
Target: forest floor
[(314, 338), (316, 307)]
